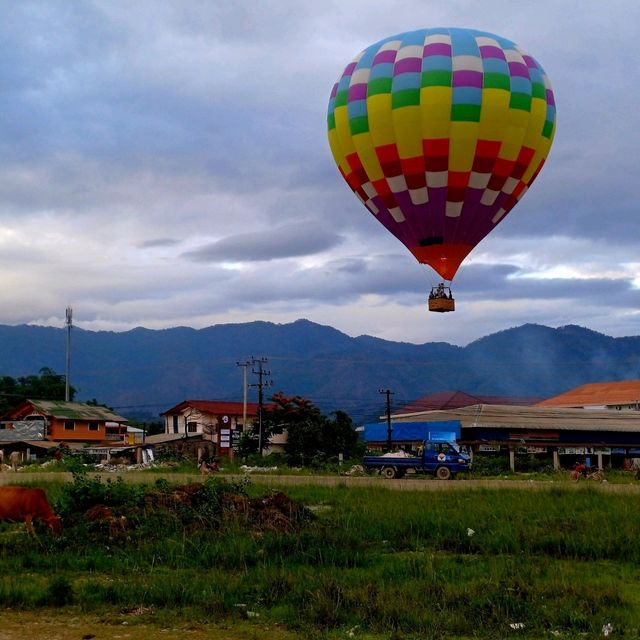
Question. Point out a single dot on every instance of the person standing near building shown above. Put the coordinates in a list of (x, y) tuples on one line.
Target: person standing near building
[(15, 458)]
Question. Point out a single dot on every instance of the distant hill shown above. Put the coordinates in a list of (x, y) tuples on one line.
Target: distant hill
[(143, 372)]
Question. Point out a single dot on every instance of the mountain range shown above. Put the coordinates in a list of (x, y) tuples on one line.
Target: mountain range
[(143, 372)]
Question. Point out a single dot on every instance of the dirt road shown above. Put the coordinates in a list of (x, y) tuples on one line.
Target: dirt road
[(406, 484)]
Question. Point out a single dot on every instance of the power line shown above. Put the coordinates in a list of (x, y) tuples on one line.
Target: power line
[(69, 324), (262, 374), (388, 393)]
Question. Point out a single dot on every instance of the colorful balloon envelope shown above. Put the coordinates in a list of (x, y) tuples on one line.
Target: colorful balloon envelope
[(440, 132)]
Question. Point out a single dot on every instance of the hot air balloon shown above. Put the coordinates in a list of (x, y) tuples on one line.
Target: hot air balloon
[(440, 132)]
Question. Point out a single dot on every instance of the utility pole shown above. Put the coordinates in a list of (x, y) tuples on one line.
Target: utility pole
[(261, 373), (69, 323), (245, 387), (388, 393)]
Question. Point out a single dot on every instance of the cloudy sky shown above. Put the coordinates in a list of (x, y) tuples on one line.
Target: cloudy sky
[(165, 163)]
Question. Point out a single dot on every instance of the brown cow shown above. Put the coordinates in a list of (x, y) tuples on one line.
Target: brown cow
[(20, 504)]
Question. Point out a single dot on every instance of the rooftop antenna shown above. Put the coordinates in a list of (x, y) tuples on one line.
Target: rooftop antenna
[(69, 324)]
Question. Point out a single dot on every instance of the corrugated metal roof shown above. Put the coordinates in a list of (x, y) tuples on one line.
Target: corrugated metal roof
[(75, 410), (24, 430), (161, 438), (48, 444), (597, 393), (509, 417), (457, 399)]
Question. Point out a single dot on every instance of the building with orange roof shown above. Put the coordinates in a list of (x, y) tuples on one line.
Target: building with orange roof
[(621, 396)]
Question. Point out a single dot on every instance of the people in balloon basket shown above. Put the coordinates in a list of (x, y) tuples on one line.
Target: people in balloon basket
[(439, 292)]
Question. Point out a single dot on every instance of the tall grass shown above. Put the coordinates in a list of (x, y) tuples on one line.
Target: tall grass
[(386, 562)]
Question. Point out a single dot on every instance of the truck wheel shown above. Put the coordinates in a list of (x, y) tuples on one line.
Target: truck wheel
[(443, 473), (388, 472)]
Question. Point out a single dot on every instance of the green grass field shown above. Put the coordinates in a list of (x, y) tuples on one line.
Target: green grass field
[(369, 563)]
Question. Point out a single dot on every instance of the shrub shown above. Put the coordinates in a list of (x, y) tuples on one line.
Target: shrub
[(490, 465), (59, 592)]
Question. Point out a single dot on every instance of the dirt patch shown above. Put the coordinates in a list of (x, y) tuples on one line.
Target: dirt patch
[(57, 625)]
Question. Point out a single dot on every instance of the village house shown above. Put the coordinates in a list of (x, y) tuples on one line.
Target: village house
[(219, 422), (61, 421)]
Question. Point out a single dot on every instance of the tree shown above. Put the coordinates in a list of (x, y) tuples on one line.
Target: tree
[(341, 435), (48, 385), (273, 419), (310, 435)]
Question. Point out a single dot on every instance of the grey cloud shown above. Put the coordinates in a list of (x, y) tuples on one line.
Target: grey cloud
[(159, 242), (287, 241)]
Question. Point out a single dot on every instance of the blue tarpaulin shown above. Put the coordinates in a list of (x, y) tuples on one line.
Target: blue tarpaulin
[(438, 431)]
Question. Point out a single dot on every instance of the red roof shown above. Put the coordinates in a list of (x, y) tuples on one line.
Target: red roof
[(215, 407), (624, 392), (458, 399)]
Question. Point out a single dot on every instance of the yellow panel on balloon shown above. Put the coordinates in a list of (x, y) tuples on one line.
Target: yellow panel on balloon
[(380, 120), (536, 123), (406, 122), (336, 150), (542, 151), (435, 111), (343, 130), (462, 145), (495, 106), (533, 165), (368, 157), (495, 103)]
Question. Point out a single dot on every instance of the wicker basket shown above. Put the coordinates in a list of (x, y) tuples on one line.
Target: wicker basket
[(442, 305)]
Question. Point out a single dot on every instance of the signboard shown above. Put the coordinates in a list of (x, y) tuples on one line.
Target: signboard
[(574, 451), (442, 436), (605, 451), (536, 449), (489, 447)]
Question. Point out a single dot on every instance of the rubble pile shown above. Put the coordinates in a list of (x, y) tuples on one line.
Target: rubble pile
[(197, 507)]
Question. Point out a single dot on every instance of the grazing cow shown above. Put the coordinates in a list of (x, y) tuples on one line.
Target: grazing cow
[(20, 504)]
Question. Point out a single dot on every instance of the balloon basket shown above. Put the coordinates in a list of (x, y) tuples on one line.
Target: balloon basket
[(441, 300), (442, 305)]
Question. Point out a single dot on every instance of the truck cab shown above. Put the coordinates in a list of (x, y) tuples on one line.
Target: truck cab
[(444, 459)]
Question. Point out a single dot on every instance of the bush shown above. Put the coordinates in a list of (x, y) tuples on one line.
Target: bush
[(490, 465), (59, 592)]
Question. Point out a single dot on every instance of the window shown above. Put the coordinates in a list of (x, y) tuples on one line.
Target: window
[(94, 426), (192, 427), (69, 425)]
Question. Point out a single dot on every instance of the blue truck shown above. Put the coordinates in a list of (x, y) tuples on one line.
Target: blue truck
[(439, 454), (440, 459)]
